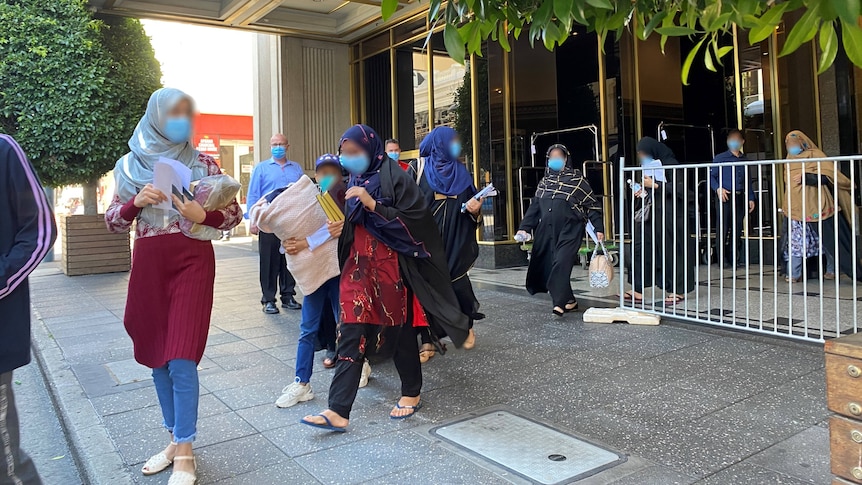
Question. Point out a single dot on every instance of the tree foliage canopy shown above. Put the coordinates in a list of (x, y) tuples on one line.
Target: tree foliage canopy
[(72, 87), (469, 22)]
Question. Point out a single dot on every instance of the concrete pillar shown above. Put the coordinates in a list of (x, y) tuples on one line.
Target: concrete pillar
[(301, 89), (315, 85), (268, 99)]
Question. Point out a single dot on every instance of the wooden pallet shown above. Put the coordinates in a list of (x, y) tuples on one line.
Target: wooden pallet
[(88, 247), (613, 315)]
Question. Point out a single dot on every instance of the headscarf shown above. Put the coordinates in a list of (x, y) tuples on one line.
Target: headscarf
[(445, 174), (148, 142), (817, 195), (568, 184), (657, 150), (370, 142)]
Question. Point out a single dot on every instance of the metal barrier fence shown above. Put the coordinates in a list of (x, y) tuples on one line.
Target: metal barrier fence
[(686, 254)]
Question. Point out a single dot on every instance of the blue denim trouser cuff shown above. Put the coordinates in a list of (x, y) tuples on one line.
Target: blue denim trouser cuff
[(179, 392)]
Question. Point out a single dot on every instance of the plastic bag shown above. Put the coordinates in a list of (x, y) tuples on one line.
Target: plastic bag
[(212, 193), (601, 269)]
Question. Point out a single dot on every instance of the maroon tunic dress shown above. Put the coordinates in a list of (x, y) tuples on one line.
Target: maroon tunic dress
[(171, 284), (371, 289)]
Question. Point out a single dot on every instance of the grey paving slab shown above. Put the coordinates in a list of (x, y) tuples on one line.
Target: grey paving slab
[(744, 474), (280, 473), (804, 456), (237, 457), (371, 458), (42, 435), (654, 475), (683, 401)]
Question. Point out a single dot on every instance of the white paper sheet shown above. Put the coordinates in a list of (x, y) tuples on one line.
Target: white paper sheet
[(168, 173)]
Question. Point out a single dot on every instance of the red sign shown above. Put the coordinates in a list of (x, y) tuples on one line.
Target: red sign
[(208, 145)]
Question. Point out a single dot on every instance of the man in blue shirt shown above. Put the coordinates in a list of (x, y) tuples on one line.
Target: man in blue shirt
[(730, 185), (276, 173)]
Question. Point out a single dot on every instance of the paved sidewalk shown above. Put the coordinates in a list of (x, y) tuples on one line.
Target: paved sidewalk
[(686, 404)]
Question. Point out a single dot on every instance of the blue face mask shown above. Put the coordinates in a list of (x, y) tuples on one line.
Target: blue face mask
[(734, 144), (278, 152), (556, 164), (455, 149), (794, 150), (646, 160), (326, 182), (394, 155), (178, 129), (355, 164)]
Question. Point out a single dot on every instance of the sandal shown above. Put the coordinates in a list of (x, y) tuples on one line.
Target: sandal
[(329, 360), (674, 300), (328, 426), (157, 463), (572, 306), (184, 478), (630, 298), (413, 409), (426, 352), (558, 311), (792, 280)]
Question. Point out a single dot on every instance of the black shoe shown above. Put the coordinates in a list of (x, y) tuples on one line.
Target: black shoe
[(291, 304), (269, 308)]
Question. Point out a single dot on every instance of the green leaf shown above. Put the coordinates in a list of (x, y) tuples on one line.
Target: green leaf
[(767, 23), (852, 37), (602, 4), (653, 23), (578, 12), (388, 7), (675, 31), (721, 22), (828, 47), (543, 15), (563, 8), (847, 10), (434, 9), (723, 51), (663, 42), (551, 35), (707, 60), (454, 43), (804, 30), (689, 59)]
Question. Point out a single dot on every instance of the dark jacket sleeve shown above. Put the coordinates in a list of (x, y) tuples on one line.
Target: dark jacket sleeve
[(33, 228)]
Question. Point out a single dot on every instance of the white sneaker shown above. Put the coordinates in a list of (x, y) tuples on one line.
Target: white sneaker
[(366, 373), (294, 394)]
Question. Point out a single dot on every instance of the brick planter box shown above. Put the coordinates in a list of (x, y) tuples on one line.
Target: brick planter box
[(88, 247)]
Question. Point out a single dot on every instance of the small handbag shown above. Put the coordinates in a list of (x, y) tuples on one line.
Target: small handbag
[(601, 269), (643, 214)]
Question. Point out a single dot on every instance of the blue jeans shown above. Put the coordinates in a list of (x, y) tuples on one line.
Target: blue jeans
[(312, 310), (796, 265), (178, 390)]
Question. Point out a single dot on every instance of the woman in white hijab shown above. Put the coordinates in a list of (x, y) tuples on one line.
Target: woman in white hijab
[(171, 284)]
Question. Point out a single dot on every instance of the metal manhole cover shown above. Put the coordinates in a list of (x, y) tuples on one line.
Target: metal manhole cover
[(529, 449)]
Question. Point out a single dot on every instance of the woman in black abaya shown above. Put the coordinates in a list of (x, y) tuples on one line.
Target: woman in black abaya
[(662, 250), (558, 214), (447, 186)]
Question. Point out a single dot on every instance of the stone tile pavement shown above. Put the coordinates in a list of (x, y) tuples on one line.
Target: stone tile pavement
[(686, 404)]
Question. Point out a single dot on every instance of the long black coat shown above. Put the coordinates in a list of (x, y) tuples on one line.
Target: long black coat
[(428, 278), (27, 233)]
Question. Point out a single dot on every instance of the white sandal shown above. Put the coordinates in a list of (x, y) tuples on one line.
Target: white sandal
[(184, 478), (157, 463)]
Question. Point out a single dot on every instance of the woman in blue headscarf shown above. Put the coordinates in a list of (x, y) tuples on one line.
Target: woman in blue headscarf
[(390, 250), (448, 186), (171, 284)]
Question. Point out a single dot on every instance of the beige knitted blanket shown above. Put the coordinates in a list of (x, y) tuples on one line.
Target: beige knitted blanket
[(296, 213)]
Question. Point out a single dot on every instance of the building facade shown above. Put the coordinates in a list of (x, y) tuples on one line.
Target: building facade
[(319, 71)]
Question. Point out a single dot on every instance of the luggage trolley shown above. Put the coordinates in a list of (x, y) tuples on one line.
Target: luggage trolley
[(704, 222)]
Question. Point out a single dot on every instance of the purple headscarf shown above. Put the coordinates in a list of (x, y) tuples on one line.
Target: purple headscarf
[(445, 174)]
